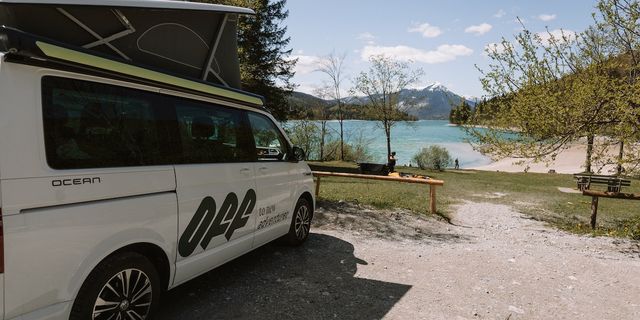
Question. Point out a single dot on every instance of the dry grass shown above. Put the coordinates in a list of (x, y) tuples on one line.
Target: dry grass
[(535, 194)]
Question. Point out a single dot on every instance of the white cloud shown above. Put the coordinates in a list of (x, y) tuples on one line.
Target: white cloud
[(495, 47), (559, 35), (547, 17), (306, 64), (427, 30), (479, 29), (501, 13), (443, 53), (368, 37)]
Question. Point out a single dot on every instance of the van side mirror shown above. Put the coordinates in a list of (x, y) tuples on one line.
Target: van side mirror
[(297, 154)]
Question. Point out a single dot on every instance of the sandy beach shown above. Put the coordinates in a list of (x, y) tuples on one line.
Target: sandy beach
[(568, 161)]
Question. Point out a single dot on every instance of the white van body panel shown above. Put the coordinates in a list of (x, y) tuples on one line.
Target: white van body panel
[(54, 312), (62, 188), (65, 243), (60, 224), (218, 181), (55, 235)]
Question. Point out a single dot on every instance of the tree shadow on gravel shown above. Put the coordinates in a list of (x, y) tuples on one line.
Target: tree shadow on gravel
[(314, 281)]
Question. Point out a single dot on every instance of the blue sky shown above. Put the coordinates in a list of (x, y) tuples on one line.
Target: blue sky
[(444, 38)]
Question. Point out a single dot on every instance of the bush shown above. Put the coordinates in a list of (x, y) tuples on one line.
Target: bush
[(306, 135), (433, 158), (357, 151)]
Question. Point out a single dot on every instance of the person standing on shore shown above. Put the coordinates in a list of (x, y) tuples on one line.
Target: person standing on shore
[(457, 164), (392, 162)]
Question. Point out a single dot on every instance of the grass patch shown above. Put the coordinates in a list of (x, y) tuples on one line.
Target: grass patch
[(535, 194)]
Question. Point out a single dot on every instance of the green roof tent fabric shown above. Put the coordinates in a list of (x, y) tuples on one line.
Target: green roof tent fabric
[(193, 40)]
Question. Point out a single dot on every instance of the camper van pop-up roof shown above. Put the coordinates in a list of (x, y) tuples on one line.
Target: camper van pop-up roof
[(187, 40)]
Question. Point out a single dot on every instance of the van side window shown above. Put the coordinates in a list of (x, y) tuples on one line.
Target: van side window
[(212, 133), (269, 141), (93, 125)]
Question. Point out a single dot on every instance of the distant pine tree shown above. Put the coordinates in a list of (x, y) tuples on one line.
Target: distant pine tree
[(461, 113)]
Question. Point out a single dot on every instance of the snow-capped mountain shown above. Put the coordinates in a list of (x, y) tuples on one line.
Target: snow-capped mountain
[(434, 101)]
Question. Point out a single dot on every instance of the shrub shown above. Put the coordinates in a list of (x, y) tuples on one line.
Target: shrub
[(433, 158), (305, 134), (357, 151)]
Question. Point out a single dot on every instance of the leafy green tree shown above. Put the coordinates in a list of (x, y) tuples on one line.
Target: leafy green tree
[(461, 113), (619, 23), (381, 86), (265, 68), (305, 133), (554, 91), (433, 158)]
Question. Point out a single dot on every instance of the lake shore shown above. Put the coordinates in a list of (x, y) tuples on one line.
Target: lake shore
[(568, 161)]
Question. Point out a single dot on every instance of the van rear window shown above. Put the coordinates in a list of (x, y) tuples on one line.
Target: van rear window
[(95, 125), (90, 125)]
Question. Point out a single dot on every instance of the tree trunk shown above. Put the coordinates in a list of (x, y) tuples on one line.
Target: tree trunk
[(587, 163), (323, 133), (341, 120), (387, 132), (620, 156), (341, 139)]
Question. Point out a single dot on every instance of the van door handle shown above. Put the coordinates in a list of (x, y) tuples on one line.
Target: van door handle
[(245, 171)]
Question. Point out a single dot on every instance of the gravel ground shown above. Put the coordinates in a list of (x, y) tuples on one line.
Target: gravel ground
[(359, 263)]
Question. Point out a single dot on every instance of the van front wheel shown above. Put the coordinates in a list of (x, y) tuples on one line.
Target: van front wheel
[(124, 286), (300, 223)]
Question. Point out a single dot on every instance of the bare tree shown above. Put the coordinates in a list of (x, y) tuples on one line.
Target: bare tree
[(332, 65), (381, 85), (322, 113)]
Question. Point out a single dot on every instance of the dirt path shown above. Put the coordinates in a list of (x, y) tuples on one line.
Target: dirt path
[(367, 264), (495, 264)]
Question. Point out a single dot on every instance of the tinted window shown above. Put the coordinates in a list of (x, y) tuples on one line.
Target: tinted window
[(211, 133), (90, 125), (93, 125), (269, 141)]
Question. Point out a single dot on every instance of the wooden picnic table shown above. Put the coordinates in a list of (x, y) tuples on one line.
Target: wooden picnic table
[(594, 200), (431, 182), (614, 183)]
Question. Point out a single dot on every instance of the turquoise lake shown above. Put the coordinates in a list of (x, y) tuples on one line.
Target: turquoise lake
[(408, 138)]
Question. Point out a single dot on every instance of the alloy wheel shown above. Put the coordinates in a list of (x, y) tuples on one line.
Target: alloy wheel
[(126, 296), (302, 222)]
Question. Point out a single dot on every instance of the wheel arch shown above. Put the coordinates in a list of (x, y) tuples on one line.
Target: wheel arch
[(156, 256), (307, 196)]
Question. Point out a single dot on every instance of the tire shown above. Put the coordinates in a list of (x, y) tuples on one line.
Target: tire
[(135, 298), (300, 223)]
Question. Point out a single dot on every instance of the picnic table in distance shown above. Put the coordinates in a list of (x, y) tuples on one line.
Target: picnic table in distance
[(433, 183), (614, 190)]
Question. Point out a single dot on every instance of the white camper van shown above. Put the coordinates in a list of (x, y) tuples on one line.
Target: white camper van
[(119, 180)]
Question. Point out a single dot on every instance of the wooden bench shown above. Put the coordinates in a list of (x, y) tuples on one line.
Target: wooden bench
[(431, 182), (614, 184), (594, 200)]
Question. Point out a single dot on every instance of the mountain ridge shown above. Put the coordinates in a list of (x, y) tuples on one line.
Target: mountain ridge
[(433, 102)]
